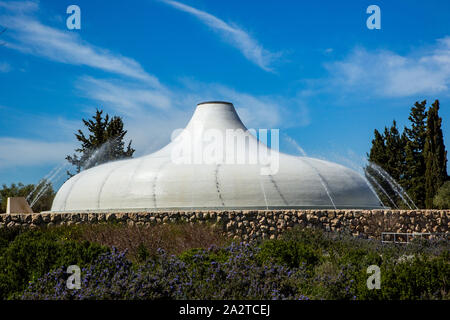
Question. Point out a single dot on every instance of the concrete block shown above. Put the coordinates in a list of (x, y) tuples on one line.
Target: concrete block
[(17, 205)]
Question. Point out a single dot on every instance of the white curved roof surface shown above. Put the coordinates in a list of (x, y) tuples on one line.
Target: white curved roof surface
[(162, 181)]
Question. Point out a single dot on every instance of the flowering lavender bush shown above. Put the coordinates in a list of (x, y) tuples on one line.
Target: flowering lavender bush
[(305, 264), (165, 276)]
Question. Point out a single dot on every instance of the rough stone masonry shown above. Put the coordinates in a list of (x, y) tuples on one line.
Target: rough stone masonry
[(257, 224)]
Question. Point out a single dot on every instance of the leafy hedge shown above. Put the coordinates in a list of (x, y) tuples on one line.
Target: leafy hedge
[(26, 256), (336, 265)]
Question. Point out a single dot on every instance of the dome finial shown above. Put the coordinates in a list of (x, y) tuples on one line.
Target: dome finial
[(214, 102)]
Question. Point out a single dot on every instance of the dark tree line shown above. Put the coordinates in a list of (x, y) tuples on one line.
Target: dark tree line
[(43, 192), (415, 158)]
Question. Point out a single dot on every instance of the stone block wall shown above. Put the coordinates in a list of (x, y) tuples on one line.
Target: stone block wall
[(258, 224)]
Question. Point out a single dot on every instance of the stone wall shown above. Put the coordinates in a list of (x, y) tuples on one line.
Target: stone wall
[(259, 224)]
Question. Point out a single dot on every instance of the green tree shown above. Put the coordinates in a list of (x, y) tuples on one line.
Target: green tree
[(103, 144), (43, 193), (435, 155), (378, 153), (414, 180), (388, 153), (442, 198), (378, 156), (395, 152)]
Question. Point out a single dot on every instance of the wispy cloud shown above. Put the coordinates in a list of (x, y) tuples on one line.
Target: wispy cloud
[(151, 121), (234, 35), (150, 110), (124, 97), (25, 152), (5, 67), (29, 35), (388, 74), (20, 6), (257, 111)]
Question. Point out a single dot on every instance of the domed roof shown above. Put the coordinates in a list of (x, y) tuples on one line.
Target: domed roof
[(206, 167)]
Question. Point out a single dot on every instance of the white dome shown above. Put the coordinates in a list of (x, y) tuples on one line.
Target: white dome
[(160, 181)]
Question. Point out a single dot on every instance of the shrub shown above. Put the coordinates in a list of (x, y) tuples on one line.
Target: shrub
[(168, 277), (304, 263), (31, 254), (442, 198), (290, 253), (7, 235), (417, 278)]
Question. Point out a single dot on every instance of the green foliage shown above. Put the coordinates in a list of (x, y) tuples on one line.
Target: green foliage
[(142, 253), (290, 253), (104, 143), (442, 198), (416, 159), (395, 151), (20, 190), (435, 155), (388, 152), (8, 235), (214, 254), (415, 170), (420, 277), (26, 256), (296, 249), (378, 153), (339, 268), (304, 263)]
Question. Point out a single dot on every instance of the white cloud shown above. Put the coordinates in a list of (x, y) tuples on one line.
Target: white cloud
[(27, 34), (388, 74), (19, 6), (256, 112), (268, 111), (127, 98), (237, 37), (27, 152), (150, 110), (5, 67)]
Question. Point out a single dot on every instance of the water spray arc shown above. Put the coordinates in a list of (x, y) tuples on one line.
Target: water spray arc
[(374, 181), (396, 187), (53, 176)]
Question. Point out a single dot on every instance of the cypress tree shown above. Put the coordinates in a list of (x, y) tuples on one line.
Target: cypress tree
[(378, 151), (378, 156), (395, 153), (435, 155), (388, 152), (414, 180)]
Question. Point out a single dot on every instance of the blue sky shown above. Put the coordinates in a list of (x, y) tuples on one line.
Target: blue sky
[(309, 68)]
